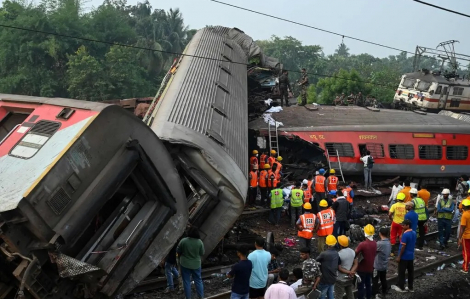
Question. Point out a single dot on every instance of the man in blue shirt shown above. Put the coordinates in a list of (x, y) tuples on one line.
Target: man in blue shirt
[(412, 215), (241, 273), (406, 258), (260, 259)]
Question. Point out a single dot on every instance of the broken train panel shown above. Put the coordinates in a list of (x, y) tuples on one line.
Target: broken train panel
[(88, 192)]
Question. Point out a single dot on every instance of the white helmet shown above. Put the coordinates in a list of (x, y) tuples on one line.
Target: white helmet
[(445, 191), (414, 191), (304, 182)]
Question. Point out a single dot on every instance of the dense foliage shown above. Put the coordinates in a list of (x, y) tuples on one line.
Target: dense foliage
[(33, 63)]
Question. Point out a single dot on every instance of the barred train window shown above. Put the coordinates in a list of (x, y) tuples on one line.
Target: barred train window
[(401, 151), (430, 152), (459, 152), (376, 150), (344, 149), (458, 91)]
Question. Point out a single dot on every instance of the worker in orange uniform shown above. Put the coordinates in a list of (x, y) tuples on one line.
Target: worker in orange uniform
[(310, 181), (397, 215), (424, 194), (254, 182), (254, 160), (307, 192), (272, 158), (278, 168), (306, 226), (263, 159), (348, 192), (406, 191), (464, 235), (326, 219), (263, 184), (319, 188), (331, 184)]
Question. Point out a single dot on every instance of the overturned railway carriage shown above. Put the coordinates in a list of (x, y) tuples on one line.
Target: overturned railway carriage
[(202, 113), (402, 143), (87, 193)]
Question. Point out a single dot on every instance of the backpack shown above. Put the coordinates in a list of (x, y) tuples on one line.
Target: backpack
[(370, 162)]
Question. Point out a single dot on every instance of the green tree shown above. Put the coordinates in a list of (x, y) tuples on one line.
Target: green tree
[(342, 82)]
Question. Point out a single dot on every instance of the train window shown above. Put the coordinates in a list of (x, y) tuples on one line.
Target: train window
[(401, 151), (438, 90), (430, 152), (376, 149), (408, 82), (35, 139), (459, 152), (454, 102), (344, 149), (458, 91), (423, 85)]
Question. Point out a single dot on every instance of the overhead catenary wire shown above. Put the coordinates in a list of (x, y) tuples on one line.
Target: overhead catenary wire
[(175, 53), (442, 8)]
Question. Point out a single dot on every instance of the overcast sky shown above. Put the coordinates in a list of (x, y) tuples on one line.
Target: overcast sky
[(401, 24)]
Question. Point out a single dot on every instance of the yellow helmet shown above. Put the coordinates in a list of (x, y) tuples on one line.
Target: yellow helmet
[(267, 166), (273, 152), (401, 196), (332, 171), (466, 203), (330, 240), (343, 241), (279, 158), (323, 203), (369, 229), (307, 206), (255, 152)]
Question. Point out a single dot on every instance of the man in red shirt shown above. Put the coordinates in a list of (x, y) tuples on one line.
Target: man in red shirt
[(365, 253)]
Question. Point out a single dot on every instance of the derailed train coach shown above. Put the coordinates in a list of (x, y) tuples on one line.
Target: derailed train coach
[(93, 198)]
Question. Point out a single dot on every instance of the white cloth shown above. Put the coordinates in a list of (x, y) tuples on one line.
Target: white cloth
[(295, 286), (269, 119), (274, 109), (268, 102), (280, 290), (364, 160), (395, 191)]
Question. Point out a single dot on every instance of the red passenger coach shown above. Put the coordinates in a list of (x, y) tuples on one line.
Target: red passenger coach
[(402, 142)]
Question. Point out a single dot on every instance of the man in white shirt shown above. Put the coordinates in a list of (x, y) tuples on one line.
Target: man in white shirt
[(281, 289), (395, 190), (367, 170), (298, 274)]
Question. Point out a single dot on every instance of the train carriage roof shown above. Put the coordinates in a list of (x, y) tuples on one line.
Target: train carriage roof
[(353, 118)]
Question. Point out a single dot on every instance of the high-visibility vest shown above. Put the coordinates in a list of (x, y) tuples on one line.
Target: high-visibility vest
[(253, 179), (307, 195), (262, 159), (276, 198), (445, 215), (296, 198), (308, 224), (272, 180), (319, 183), (253, 161), (309, 184), (420, 208), (332, 182), (278, 174), (271, 161), (348, 194), (279, 165), (326, 218), (263, 179)]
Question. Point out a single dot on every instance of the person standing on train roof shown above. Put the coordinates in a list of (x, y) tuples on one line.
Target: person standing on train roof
[(263, 184), (406, 191), (464, 235), (368, 161), (263, 159), (254, 182), (423, 215), (272, 158), (444, 210), (306, 226), (319, 188), (296, 202), (397, 187), (326, 219), (397, 215), (254, 159), (307, 192)]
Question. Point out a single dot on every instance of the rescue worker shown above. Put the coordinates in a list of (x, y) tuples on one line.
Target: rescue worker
[(253, 179), (263, 159), (332, 197), (254, 159), (284, 87), (326, 219), (296, 202), (424, 194), (303, 85), (444, 210), (348, 192), (311, 273), (342, 209), (307, 192), (263, 184), (397, 215), (406, 191), (272, 178), (272, 158), (420, 209), (464, 235), (276, 197), (310, 181), (306, 226), (331, 182), (278, 168), (319, 188), (462, 189)]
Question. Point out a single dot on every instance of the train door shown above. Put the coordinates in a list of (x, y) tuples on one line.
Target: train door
[(443, 97)]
